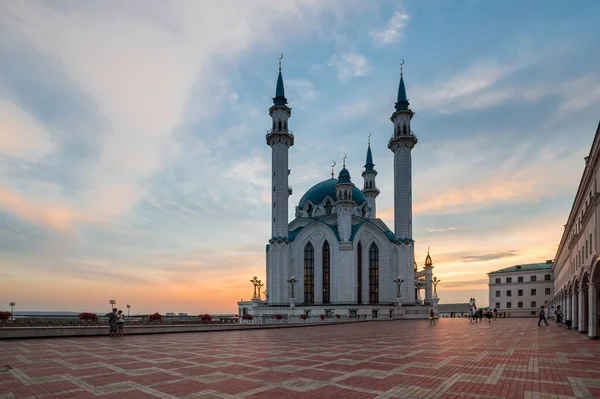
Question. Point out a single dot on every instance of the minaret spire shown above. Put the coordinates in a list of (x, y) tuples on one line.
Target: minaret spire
[(370, 188), (401, 100), (279, 98)]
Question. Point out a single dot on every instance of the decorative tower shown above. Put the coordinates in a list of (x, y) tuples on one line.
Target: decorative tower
[(370, 189), (280, 139), (344, 203), (428, 278), (343, 271), (401, 144)]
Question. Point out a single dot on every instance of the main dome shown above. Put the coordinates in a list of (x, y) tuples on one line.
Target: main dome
[(317, 193)]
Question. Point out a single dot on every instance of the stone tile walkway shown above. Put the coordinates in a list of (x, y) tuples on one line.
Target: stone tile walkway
[(509, 358)]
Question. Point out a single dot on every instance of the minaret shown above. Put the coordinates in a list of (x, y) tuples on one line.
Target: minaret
[(344, 203), (280, 139), (370, 189), (401, 145)]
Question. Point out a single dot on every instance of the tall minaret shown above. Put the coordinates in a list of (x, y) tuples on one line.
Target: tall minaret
[(344, 203), (280, 139), (370, 189), (401, 145)]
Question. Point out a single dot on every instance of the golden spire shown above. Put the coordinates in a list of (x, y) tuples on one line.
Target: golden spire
[(428, 261)]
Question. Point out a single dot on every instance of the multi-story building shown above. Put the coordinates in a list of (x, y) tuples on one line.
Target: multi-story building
[(576, 264), (521, 289)]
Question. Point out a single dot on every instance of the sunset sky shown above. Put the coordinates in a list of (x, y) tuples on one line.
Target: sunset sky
[(133, 162)]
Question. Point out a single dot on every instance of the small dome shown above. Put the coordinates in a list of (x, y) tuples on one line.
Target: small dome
[(428, 261), (317, 193), (344, 176)]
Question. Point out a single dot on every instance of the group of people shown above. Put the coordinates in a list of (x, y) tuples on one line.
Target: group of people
[(116, 320)]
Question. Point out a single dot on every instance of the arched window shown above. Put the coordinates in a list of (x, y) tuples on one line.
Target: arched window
[(326, 271), (404, 129), (279, 125), (328, 207), (285, 126), (273, 124), (309, 274), (373, 274), (345, 194), (358, 273)]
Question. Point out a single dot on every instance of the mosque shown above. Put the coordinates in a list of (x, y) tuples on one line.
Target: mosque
[(336, 256)]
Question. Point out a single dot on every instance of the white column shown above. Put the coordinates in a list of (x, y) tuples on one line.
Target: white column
[(574, 312), (581, 310), (593, 315), (568, 307)]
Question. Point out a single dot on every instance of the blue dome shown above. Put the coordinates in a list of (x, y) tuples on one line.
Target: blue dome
[(344, 176), (317, 193)]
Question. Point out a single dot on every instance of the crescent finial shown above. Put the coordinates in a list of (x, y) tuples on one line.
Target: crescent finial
[(369, 138), (402, 63), (344, 160), (332, 166), (280, 58)]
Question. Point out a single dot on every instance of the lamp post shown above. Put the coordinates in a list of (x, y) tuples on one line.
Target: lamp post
[(112, 304), (12, 305), (255, 281), (435, 283), (292, 281), (398, 282), (128, 307)]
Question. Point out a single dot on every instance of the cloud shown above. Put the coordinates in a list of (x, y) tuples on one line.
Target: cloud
[(490, 256), (439, 230), (462, 283), (21, 136), (349, 65), (392, 32), (302, 90)]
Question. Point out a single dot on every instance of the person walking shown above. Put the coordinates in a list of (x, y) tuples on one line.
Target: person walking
[(112, 322), (559, 316), (120, 322), (431, 318), (542, 317)]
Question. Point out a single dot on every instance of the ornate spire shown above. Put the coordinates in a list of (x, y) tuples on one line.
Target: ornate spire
[(402, 100), (428, 261), (369, 164), (279, 90), (332, 166)]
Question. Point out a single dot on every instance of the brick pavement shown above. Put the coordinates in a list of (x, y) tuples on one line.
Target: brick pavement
[(509, 358)]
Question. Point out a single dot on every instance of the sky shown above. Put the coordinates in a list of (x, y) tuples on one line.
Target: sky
[(133, 161)]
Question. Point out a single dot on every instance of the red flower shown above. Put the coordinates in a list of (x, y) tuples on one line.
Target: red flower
[(87, 316), (5, 316), (205, 317), (303, 316), (278, 316), (322, 317)]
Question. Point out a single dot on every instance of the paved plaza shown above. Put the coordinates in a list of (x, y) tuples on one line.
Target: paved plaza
[(509, 358)]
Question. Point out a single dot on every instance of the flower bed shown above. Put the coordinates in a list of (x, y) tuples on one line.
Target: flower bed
[(303, 316), (322, 317), (88, 317), (338, 316), (205, 317), (247, 317), (278, 316), (5, 316), (156, 317)]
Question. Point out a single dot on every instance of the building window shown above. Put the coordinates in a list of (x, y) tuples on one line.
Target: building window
[(373, 274), (328, 207), (309, 274), (497, 305), (520, 293), (533, 278), (533, 291), (548, 291), (497, 281), (533, 304), (520, 279), (547, 277), (358, 273), (326, 271), (520, 305), (533, 313), (497, 294), (509, 293), (508, 280), (508, 305)]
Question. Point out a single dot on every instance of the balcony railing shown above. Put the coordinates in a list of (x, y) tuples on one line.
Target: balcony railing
[(289, 131)]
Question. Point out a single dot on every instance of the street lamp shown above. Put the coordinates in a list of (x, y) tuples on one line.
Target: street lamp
[(398, 282), (12, 305), (128, 307), (112, 304), (292, 281)]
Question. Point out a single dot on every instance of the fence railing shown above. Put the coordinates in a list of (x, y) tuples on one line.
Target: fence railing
[(73, 321)]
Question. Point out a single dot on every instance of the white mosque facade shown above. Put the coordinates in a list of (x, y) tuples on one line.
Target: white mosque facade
[(336, 256)]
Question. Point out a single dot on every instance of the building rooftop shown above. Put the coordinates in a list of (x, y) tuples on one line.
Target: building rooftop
[(526, 268)]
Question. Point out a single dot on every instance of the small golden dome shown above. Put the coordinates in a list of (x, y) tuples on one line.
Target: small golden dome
[(428, 261)]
